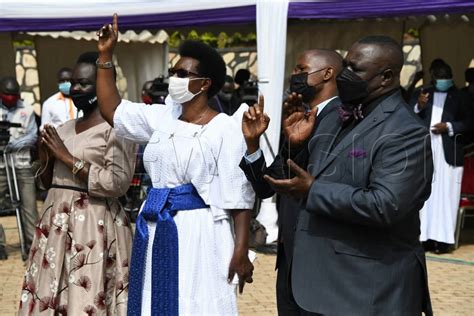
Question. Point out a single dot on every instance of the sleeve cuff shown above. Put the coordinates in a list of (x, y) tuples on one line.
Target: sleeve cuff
[(253, 157), (450, 129), (416, 109)]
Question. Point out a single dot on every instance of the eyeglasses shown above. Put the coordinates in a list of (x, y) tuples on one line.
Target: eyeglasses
[(181, 73)]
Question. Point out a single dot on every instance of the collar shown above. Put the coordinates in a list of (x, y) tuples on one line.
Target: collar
[(368, 108), (19, 104), (61, 96), (323, 104)]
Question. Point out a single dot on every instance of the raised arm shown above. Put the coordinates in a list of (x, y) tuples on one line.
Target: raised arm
[(107, 93)]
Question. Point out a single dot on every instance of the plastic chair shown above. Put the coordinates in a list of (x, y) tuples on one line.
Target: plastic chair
[(466, 205)]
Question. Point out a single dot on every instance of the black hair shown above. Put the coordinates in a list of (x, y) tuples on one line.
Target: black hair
[(442, 70), (63, 69), (241, 76), (211, 64), (469, 75), (91, 58), (9, 80), (436, 63), (389, 44)]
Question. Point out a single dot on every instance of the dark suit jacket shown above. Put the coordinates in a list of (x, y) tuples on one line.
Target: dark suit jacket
[(454, 111), (357, 249), (288, 207)]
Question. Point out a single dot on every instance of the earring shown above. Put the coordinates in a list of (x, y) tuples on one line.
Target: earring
[(202, 89)]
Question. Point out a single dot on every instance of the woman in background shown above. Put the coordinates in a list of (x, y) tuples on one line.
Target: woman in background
[(79, 260)]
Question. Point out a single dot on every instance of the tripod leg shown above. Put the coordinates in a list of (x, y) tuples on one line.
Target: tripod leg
[(15, 199)]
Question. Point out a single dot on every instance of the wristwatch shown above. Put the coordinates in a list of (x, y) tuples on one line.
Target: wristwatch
[(78, 165)]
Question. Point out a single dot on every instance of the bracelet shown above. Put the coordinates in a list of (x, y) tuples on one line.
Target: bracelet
[(106, 65), (78, 166)]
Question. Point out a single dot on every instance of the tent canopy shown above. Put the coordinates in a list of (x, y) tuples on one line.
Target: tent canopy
[(54, 15)]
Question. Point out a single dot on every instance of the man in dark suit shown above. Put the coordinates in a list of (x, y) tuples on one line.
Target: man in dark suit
[(443, 109), (312, 84), (357, 249)]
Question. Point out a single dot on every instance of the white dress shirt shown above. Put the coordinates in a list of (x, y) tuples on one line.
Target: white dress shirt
[(57, 109)]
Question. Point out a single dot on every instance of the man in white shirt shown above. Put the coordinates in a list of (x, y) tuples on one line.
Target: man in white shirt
[(59, 107), (22, 139)]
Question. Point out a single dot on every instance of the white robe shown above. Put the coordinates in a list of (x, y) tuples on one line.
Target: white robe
[(438, 215), (208, 157)]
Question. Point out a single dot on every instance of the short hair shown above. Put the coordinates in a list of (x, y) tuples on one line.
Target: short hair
[(442, 69), (391, 46), (469, 75), (9, 80), (211, 64), (91, 58), (241, 76), (63, 69), (436, 63), (330, 57)]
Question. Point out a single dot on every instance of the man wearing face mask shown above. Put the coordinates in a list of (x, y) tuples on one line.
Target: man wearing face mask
[(357, 248), (443, 109), (22, 139), (59, 107), (312, 85)]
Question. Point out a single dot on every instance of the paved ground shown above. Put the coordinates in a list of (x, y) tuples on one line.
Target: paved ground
[(451, 280)]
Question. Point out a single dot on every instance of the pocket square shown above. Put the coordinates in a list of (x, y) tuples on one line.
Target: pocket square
[(357, 153)]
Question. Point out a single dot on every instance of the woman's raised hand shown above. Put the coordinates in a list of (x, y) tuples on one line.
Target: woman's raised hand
[(108, 36)]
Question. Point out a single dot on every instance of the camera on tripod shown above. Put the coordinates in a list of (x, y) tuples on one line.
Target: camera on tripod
[(13, 189), (158, 90), (5, 133)]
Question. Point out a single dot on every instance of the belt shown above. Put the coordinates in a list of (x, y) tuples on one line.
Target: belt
[(160, 207)]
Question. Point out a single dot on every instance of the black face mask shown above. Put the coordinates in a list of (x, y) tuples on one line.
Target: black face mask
[(299, 85), (84, 101), (352, 88)]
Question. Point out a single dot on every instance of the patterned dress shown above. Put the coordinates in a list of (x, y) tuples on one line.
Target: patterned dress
[(207, 157), (78, 262)]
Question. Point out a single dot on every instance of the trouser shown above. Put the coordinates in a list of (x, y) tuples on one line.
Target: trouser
[(286, 303), (27, 189)]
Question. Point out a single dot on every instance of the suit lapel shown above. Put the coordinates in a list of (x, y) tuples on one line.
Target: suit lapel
[(366, 125)]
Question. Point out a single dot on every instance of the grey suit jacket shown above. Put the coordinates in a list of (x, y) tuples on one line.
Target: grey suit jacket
[(357, 249)]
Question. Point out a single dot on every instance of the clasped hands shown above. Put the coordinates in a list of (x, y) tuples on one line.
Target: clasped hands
[(298, 124)]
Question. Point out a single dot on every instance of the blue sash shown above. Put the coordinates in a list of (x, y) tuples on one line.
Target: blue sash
[(160, 207)]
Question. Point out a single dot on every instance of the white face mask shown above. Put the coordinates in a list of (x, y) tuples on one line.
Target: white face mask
[(179, 91)]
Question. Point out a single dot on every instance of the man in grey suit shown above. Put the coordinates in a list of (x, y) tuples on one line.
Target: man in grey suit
[(357, 248), (312, 83)]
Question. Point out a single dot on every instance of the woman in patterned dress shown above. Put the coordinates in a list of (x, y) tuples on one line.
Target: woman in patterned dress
[(185, 254), (79, 261)]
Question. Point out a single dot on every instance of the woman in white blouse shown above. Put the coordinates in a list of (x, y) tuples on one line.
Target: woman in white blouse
[(184, 256)]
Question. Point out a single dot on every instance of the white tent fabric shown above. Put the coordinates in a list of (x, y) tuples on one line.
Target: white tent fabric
[(271, 43), (94, 8)]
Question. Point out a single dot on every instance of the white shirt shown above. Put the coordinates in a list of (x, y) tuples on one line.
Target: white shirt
[(256, 155), (58, 109)]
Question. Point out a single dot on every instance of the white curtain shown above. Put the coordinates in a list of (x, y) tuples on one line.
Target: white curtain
[(271, 49)]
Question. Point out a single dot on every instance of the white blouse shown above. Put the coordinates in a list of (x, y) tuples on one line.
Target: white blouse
[(179, 152)]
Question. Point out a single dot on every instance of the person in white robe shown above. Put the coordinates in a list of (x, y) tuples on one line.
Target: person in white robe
[(442, 108)]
